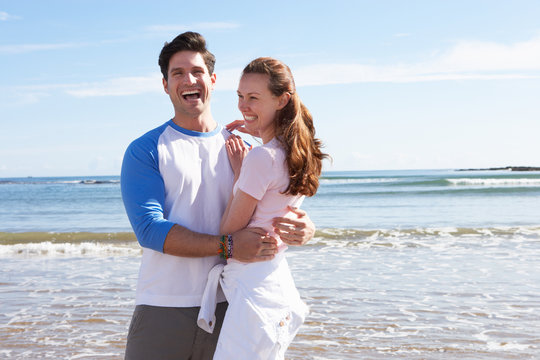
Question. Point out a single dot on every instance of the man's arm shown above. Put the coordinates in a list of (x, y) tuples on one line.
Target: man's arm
[(143, 193), (250, 244), (181, 241)]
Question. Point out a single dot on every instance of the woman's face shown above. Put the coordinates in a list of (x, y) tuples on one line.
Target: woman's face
[(258, 105)]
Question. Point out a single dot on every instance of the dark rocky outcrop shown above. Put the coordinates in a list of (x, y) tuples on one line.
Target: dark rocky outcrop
[(509, 168)]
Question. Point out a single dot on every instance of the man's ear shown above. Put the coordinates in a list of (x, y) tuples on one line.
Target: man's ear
[(165, 85), (284, 100), (213, 80)]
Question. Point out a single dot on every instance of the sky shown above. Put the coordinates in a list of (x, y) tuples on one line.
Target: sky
[(403, 84)]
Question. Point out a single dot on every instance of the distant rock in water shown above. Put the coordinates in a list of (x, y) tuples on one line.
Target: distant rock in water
[(509, 168)]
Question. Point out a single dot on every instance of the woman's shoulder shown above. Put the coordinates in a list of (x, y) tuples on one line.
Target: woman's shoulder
[(259, 158), (272, 149), (263, 152)]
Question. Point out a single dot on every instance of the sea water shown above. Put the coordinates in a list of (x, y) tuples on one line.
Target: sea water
[(435, 264)]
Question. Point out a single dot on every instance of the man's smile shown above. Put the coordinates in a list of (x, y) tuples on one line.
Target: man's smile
[(191, 95)]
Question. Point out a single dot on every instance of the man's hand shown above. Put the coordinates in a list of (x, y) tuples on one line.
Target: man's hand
[(253, 244), (297, 231)]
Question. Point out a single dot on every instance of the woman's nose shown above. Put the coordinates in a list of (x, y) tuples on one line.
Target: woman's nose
[(242, 105)]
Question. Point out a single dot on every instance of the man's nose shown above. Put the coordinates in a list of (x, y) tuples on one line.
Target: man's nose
[(190, 79)]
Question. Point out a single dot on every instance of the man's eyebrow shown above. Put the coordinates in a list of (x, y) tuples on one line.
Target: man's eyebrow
[(180, 68)]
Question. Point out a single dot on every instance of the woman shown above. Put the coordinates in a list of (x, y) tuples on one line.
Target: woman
[(265, 310)]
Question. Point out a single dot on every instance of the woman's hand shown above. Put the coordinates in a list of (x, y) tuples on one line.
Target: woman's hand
[(294, 231), (237, 151), (240, 126)]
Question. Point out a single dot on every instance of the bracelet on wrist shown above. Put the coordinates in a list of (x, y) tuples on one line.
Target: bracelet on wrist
[(226, 247), (230, 246)]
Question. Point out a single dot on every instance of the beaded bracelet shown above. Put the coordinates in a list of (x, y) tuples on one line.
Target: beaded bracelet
[(229, 246), (222, 252), (226, 247)]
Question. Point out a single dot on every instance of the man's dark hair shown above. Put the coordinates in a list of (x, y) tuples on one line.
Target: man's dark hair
[(190, 41)]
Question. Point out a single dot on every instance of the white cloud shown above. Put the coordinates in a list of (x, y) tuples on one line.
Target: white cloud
[(122, 86), (27, 94), (467, 60), (25, 48), (4, 16), (484, 56), (135, 85)]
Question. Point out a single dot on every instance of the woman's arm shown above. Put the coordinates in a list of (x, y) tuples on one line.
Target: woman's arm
[(241, 205), (238, 213)]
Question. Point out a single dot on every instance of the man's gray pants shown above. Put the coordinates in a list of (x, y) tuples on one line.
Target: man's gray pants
[(161, 333)]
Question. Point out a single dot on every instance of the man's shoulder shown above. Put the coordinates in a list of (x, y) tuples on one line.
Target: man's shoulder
[(149, 138), (155, 132)]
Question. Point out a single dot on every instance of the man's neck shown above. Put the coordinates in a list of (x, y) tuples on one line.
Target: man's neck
[(203, 123)]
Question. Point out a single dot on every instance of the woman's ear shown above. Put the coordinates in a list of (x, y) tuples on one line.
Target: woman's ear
[(284, 100)]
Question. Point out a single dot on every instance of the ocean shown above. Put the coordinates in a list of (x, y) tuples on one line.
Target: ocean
[(424, 264)]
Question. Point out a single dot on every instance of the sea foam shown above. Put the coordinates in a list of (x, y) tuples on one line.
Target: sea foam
[(50, 249), (495, 182)]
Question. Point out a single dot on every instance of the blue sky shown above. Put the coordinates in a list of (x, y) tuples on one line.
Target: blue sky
[(391, 84)]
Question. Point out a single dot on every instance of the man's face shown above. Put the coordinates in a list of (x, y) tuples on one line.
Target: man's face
[(189, 84)]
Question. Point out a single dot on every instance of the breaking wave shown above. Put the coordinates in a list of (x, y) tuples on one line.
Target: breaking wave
[(125, 243)]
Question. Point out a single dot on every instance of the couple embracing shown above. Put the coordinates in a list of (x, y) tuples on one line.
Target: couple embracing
[(214, 217)]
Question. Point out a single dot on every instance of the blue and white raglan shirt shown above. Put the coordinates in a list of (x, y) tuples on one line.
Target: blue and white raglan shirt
[(172, 175)]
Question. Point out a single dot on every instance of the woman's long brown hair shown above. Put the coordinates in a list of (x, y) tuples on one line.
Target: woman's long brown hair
[(294, 128)]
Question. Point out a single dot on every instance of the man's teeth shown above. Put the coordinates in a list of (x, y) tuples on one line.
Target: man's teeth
[(191, 93)]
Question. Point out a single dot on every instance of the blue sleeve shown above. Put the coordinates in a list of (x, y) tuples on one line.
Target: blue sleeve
[(143, 193)]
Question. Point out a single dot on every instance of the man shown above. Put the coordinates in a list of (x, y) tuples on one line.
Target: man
[(176, 181)]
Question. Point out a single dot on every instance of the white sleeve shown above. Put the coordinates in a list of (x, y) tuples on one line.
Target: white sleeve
[(256, 173)]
